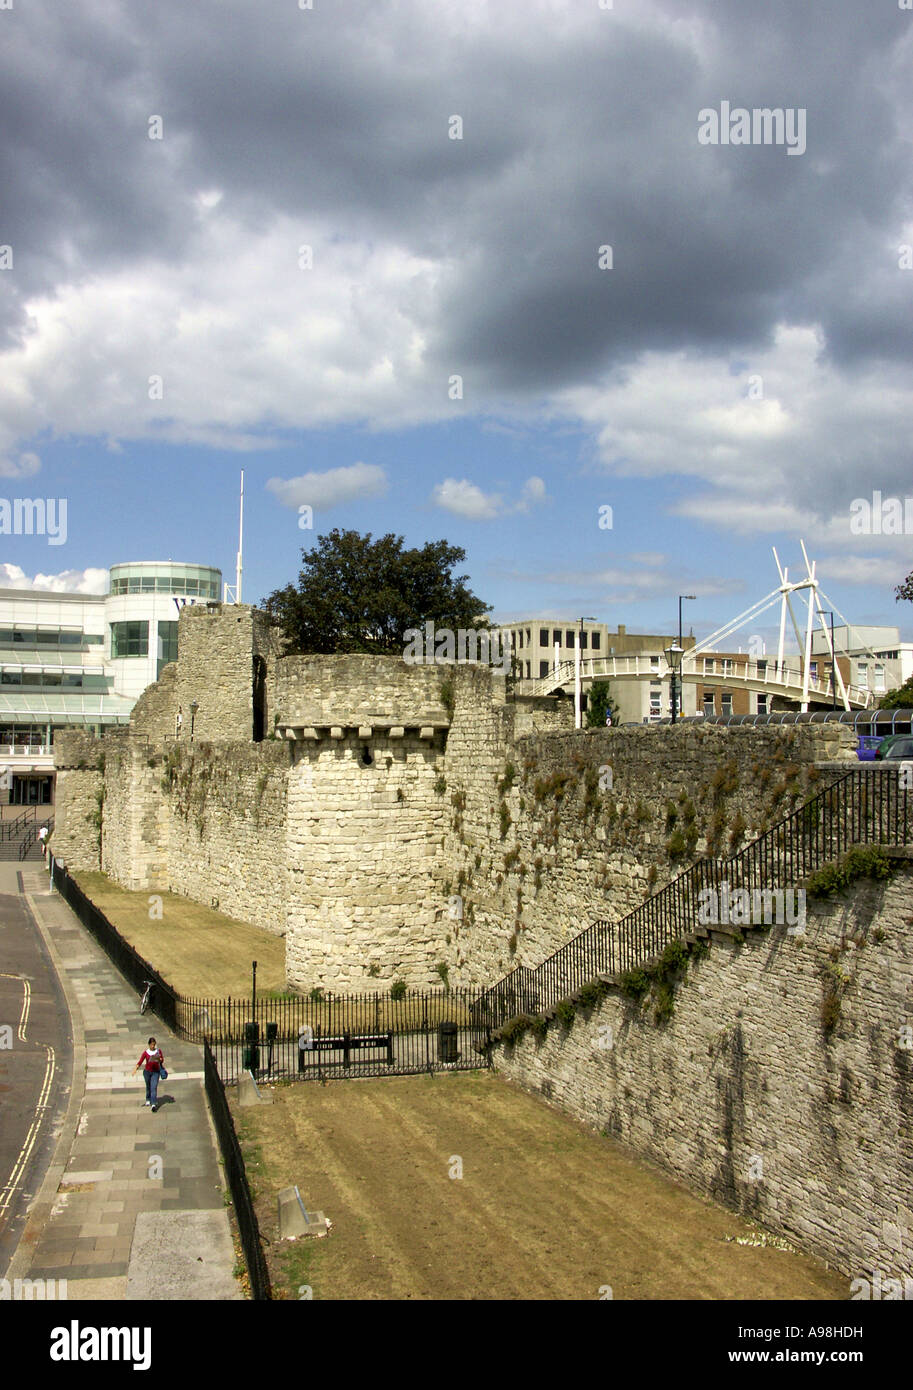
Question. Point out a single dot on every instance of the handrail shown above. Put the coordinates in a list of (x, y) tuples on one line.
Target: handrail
[(788, 679), (867, 804), (9, 829)]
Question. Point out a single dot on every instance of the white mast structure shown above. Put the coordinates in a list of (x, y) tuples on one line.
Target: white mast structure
[(233, 595), (785, 593)]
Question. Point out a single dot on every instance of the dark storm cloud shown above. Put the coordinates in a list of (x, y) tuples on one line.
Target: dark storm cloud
[(580, 130)]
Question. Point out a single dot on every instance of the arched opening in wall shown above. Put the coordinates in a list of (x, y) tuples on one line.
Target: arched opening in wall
[(259, 692)]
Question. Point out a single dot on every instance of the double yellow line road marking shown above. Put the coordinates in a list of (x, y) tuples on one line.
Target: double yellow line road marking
[(9, 1190)]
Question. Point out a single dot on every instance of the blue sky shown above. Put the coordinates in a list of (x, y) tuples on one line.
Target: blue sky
[(306, 260)]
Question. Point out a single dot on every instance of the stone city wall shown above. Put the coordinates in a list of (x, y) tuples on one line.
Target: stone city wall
[(757, 1091), (548, 832)]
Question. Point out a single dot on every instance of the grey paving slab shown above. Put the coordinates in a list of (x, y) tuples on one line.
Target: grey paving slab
[(194, 1247), (100, 1211)]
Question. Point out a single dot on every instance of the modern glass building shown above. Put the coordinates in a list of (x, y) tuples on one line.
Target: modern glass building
[(83, 660)]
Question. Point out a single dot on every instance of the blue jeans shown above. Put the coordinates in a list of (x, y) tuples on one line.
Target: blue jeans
[(152, 1085)]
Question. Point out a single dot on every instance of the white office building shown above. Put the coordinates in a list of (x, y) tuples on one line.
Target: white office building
[(874, 658), (83, 660)]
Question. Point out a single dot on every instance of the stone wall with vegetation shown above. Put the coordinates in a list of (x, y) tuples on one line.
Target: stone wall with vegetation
[(481, 832), (548, 832), (78, 812), (365, 822), (774, 1074), (225, 808)]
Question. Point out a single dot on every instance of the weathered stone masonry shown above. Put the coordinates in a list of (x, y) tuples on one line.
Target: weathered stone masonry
[(745, 1095), (411, 822)]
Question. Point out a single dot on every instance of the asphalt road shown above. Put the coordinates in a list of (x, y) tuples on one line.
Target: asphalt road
[(35, 1065)]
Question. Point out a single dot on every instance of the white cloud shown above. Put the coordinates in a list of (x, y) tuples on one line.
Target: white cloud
[(463, 498), (466, 499), (88, 581), (324, 490), (533, 492), (24, 467)]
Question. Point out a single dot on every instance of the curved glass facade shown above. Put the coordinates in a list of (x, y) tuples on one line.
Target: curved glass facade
[(193, 581)]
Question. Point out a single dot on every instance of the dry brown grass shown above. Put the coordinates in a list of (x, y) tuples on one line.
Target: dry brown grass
[(201, 953), (545, 1209)]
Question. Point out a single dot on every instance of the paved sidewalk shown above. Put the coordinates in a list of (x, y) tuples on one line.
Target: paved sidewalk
[(116, 1161)]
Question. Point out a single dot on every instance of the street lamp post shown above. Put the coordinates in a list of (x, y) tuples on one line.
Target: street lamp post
[(194, 707), (676, 680), (578, 682), (674, 656)]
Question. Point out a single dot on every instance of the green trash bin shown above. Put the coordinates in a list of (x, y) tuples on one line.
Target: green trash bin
[(447, 1043), (251, 1056)]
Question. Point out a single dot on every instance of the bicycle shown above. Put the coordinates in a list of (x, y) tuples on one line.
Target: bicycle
[(147, 997)]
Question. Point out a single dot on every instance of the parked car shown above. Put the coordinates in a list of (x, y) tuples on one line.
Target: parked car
[(885, 744), (901, 749)]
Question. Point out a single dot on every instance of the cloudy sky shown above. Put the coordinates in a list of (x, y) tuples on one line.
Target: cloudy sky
[(466, 270)]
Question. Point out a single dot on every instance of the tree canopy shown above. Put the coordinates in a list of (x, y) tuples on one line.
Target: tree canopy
[(600, 704), (359, 595), (905, 590)]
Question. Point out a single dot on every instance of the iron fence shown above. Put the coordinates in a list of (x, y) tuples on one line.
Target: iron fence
[(302, 1037), (236, 1175), (870, 804), (347, 1035), (135, 970)]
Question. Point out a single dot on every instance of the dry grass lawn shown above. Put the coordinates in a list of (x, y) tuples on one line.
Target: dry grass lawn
[(201, 953), (545, 1209)]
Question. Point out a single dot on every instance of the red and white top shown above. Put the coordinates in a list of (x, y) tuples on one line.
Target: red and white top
[(151, 1061)]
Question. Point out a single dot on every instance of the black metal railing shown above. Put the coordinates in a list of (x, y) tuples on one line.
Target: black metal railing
[(302, 1037), (137, 971), (236, 1176), (346, 1035), (31, 837), (868, 805), (12, 829)]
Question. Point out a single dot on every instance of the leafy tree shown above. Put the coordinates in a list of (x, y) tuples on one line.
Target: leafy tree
[(901, 698), (359, 595), (600, 704)]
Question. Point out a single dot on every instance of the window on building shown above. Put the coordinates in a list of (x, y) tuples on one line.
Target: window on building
[(762, 704), (543, 637), (728, 666), (556, 636), (543, 668), (597, 640), (879, 678), (727, 702), (709, 666), (862, 675), (129, 639), (527, 670), (529, 637), (570, 637), (710, 702), (813, 670)]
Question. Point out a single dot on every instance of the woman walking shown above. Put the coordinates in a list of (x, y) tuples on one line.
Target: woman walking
[(152, 1061)]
